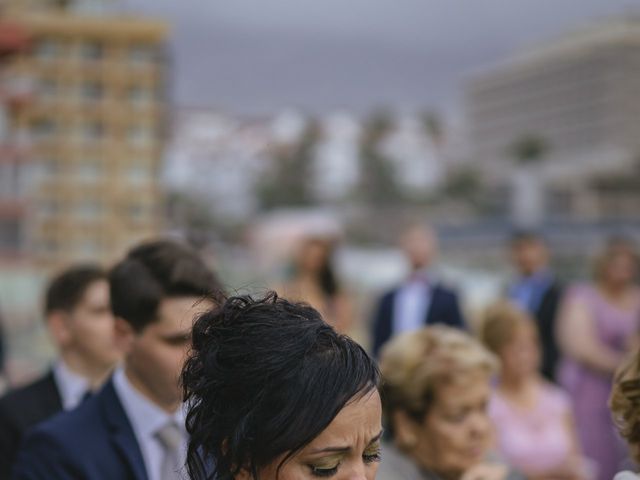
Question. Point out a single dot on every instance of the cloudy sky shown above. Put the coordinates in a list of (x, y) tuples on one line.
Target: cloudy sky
[(259, 56)]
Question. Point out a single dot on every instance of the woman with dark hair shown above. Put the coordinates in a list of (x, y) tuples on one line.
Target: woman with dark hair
[(273, 391)]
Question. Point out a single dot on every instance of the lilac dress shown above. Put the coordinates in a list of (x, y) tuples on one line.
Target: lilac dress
[(589, 389), (535, 441)]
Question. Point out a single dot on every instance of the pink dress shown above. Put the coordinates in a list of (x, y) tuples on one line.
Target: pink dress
[(534, 441)]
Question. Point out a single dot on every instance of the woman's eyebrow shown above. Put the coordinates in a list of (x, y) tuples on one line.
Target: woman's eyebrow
[(376, 438), (337, 449)]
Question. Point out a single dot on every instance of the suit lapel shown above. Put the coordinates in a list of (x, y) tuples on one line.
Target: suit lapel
[(121, 432), (431, 312), (50, 396)]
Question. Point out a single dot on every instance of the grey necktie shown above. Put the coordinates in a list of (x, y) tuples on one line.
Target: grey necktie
[(170, 437)]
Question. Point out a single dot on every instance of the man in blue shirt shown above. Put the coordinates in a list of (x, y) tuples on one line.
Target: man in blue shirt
[(536, 290)]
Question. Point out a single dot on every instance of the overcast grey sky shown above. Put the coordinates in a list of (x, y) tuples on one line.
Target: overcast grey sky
[(258, 56)]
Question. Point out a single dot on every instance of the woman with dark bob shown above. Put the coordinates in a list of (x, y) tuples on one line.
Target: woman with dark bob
[(274, 392)]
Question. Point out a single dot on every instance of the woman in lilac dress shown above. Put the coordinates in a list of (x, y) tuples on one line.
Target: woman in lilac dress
[(598, 328)]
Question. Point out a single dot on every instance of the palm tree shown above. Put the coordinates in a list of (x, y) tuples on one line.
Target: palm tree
[(378, 183), (527, 189), (529, 149)]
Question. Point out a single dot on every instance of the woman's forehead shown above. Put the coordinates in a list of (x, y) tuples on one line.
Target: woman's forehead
[(358, 421)]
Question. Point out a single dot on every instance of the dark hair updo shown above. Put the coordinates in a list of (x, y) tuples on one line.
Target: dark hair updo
[(263, 379)]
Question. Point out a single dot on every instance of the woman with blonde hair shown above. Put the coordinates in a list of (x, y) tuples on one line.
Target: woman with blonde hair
[(598, 327), (625, 409), (436, 388), (533, 418)]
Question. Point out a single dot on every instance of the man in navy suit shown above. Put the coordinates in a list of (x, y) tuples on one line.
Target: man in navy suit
[(538, 291), (420, 300), (134, 427), (78, 317)]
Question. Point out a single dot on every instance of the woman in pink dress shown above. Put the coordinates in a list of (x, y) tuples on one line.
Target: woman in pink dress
[(598, 328), (533, 418)]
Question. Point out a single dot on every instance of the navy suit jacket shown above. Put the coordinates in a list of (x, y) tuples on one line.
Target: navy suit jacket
[(93, 442), (22, 409), (444, 308)]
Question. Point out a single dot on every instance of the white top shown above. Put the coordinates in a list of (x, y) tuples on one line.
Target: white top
[(626, 475), (146, 419), (71, 386), (411, 305)]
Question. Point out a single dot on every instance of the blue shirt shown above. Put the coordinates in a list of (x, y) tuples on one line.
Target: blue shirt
[(527, 292)]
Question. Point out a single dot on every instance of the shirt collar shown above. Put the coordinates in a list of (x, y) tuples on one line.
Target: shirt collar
[(542, 276), (145, 416), (422, 277), (71, 386)]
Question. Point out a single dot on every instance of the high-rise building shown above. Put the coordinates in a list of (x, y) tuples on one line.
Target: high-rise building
[(578, 95), (95, 127)]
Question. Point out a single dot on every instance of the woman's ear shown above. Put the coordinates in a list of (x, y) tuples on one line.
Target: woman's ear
[(405, 430), (244, 474)]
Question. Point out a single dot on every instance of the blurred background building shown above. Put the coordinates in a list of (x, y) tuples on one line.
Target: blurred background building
[(251, 135), (92, 128), (566, 110)]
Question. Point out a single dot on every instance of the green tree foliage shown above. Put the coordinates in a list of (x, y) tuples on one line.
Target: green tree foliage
[(529, 149), (433, 127), (289, 181), (378, 184)]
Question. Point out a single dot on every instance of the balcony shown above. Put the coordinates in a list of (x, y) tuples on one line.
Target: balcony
[(12, 38)]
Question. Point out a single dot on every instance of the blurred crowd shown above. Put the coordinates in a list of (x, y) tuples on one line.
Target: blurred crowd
[(525, 391)]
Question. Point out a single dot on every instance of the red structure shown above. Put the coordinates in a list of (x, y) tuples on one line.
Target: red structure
[(12, 38), (12, 157)]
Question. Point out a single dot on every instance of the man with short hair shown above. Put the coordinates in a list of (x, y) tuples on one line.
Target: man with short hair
[(79, 319), (536, 290), (420, 299), (134, 427)]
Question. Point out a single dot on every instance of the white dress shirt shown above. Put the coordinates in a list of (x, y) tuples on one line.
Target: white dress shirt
[(411, 305), (146, 419), (71, 386)]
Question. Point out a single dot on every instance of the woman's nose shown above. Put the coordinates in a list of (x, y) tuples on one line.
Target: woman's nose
[(479, 425)]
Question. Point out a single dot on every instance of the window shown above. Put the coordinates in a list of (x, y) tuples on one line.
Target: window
[(89, 210), (48, 88), (88, 248), (140, 135), (4, 123), (49, 246), (48, 207), (92, 51), (142, 54), (92, 131), (89, 170), (137, 212), (43, 129), (51, 166), (8, 181), (138, 174), (140, 96), (46, 49), (10, 234), (92, 91)]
